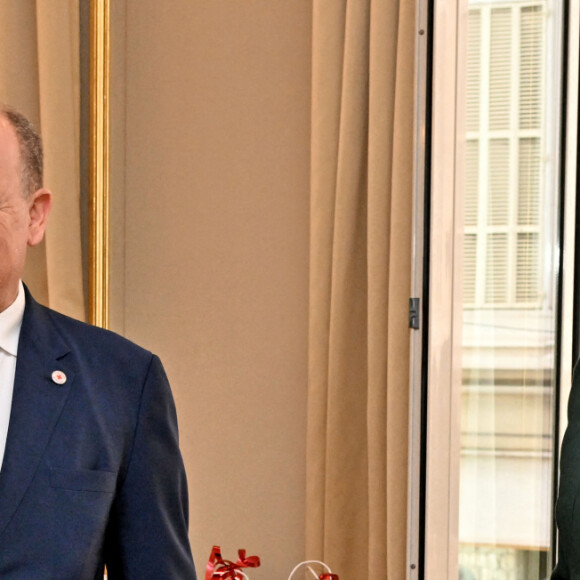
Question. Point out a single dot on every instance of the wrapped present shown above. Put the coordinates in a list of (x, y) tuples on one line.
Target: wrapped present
[(217, 567), (318, 570)]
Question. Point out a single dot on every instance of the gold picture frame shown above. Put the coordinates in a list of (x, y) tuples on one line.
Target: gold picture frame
[(99, 234)]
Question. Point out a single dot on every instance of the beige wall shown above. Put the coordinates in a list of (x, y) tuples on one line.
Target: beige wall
[(211, 208)]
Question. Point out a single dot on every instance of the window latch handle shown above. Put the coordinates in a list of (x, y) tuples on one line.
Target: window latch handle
[(414, 305)]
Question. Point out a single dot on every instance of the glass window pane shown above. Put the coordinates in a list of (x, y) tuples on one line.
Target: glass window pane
[(474, 70), (511, 207), (531, 66), (498, 168), (496, 269), (529, 181), (472, 183), (500, 67)]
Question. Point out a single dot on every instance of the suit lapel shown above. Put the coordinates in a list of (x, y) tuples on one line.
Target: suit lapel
[(36, 405)]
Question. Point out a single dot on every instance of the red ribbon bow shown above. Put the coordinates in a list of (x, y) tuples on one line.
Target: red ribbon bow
[(217, 567), (328, 577)]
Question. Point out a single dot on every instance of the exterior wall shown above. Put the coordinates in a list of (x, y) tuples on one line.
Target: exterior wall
[(210, 199)]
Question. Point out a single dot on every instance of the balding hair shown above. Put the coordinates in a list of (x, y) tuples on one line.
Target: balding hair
[(31, 155)]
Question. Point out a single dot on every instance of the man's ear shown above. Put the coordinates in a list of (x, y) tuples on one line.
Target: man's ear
[(38, 210)]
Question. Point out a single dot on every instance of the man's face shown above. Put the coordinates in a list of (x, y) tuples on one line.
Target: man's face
[(22, 221)]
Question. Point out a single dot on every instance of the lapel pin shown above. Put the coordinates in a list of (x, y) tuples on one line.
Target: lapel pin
[(58, 377)]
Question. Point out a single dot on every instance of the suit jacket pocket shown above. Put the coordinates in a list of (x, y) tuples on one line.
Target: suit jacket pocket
[(83, 480)]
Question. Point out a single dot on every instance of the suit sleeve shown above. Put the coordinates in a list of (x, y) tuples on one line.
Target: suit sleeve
[(567, 510), (147, 535)]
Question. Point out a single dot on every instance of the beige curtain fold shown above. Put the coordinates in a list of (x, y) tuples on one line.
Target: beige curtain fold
[(40, 76), (361, 209)]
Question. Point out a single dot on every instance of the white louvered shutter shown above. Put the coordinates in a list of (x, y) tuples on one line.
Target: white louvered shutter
[(504, 144)]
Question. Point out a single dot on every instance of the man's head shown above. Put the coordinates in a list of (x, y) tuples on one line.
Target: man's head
[(24, 203)]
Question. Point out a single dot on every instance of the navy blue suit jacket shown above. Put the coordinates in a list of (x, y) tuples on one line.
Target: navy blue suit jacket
[(568, 505), (92, 473)]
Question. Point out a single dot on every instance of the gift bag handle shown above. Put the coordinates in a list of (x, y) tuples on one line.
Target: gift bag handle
[(325, 566)]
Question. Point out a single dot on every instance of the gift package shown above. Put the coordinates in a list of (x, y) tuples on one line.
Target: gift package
[(220, 569)]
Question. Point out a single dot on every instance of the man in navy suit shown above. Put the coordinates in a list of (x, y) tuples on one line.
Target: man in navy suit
[(91, 473)]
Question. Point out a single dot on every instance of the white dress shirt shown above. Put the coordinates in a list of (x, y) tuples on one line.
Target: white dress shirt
[(10, 324)]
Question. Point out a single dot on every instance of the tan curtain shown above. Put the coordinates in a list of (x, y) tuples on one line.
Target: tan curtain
[(39, 75), (362, 147)]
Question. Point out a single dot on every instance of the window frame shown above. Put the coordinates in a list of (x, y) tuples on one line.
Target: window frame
[(441, 364)]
